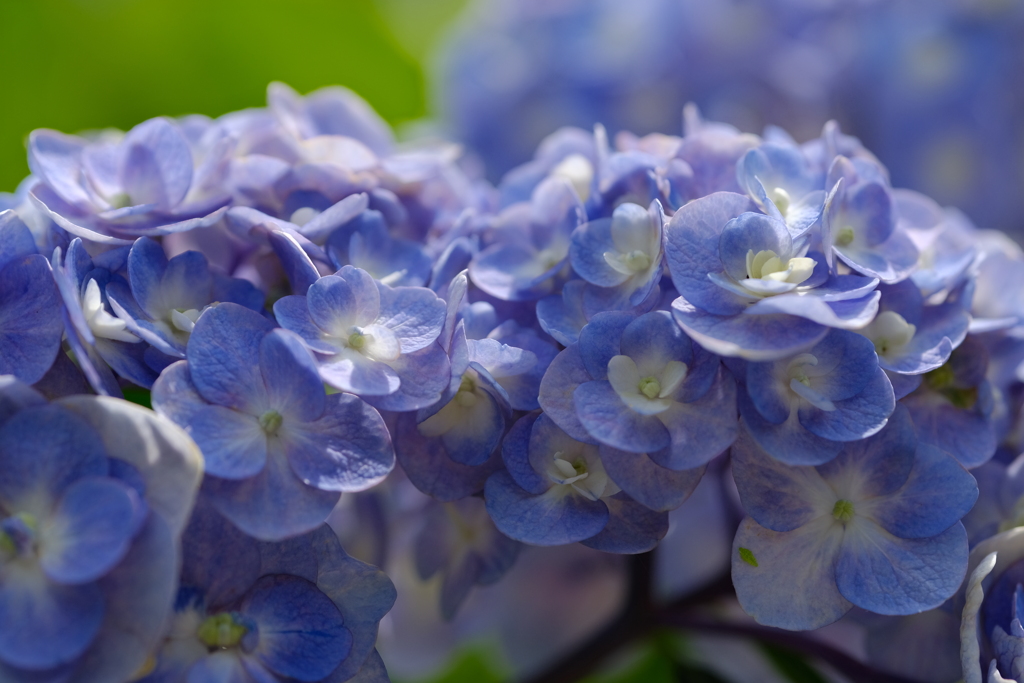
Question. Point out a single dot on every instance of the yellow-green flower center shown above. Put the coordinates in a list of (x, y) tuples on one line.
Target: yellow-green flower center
[(270, 421), (221, 630), (844, 237), (650, 387), (357, 340), (843, 511)]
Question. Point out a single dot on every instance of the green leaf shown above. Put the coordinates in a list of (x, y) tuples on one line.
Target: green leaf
[(791, 665), (747, 556), (650, 665), (472, 665), (137, 395)]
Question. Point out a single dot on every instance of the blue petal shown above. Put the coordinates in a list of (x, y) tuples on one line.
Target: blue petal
[(556, 517), (515, 453), (42, 451), (590, 241), (225, 342), (847, 364), (940, 329), (691, 247), (778, 496), (701, 429), (753, 337), (414, 314), (890, 575), (513, 272), (844, 314), (56, 158), (15, 238), (793, 585), (877, 465), (301, 634), (157, 164), (217, 558), (429, 468), (478, 433), (652, 340), (139, 595), (222, 666), (423, 375), (30, 318), (290, 374), (329, 220), (146, 266), (965, 434), (45, 624), (186, 283), (363, 593), (632, 528), (90, 530), (599, 341), (15, 396), (234, 445), (937, 494), (561, 315), (298, 267), (292, 313), (789, 441), (648, 483), (903, 385), (751, 231), (348, 298), (167, 341), (856, 417), (891, 261), (235, 290), (607, 419), (174, 396), (565, 373), (272, 505), (398, 261), (766, 393), (348, 449)]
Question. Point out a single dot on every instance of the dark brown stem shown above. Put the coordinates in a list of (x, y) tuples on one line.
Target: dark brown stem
[(842, 662), (642, 616)]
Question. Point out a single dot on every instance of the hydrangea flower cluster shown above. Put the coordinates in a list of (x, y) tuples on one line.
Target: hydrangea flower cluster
[(559, 359)]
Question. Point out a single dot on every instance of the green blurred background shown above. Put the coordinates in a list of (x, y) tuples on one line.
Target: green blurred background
[(75, 65)]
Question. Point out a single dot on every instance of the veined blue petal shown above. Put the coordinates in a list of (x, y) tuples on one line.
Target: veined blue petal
[(890, 575), (787, 579), (301, 632), (556, 517)]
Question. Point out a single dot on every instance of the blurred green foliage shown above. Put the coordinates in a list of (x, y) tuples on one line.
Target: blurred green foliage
[(80, 64), (473, 664)]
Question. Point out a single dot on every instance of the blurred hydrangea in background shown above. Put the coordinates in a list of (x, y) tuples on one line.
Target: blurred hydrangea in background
[(929, 86), (650, 347)]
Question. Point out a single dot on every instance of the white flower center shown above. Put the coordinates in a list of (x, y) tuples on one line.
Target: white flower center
[(636, 261), (889, 332), (184, 320), (303, 215), (801, 372), (583, 475), (766, 265), (578, 170), (100, 322), (781, 199)]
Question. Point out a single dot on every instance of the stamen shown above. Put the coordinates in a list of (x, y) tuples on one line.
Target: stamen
[(843, 511), (271, 421), (222, 630)]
